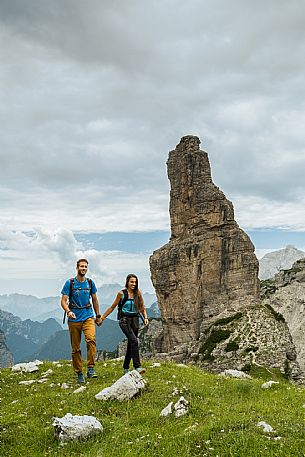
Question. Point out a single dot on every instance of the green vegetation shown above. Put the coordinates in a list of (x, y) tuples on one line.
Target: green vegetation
[(277, 315), (211, 342), (221, 420), (232, 346), (268, 287), (229, 319)]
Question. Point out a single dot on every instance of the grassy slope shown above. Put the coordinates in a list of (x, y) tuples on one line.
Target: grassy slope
[(221, 420)]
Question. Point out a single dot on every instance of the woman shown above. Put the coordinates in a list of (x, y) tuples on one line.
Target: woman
[(130, 303)]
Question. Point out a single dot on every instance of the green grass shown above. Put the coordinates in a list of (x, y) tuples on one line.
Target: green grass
[(221, 421)]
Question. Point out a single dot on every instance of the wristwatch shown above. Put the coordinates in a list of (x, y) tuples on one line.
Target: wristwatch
[(98, 316)]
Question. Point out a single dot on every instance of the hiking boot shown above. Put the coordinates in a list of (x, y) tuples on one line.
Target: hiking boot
[(91, 373), (141, 370), (125, 370), (80, 378)]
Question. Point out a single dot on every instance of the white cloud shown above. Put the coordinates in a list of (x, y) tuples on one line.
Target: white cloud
[(40, 261), (253, 212), (95, 95)]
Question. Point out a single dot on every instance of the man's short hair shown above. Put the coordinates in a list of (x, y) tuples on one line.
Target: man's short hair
[(80, 261)]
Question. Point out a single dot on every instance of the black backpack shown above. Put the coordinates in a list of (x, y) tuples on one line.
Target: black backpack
[(122, 303)]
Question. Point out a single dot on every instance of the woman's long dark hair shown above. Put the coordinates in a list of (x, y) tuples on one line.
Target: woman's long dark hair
[(138, 300)]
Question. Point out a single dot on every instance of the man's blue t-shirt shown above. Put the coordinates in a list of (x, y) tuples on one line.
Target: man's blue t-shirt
[(81, 297)]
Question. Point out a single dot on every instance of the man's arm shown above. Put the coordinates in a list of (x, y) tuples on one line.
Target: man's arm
[(96, 307), (65, 307)]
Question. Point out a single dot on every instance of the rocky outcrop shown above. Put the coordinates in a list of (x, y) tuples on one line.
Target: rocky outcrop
[(6, 357), (282, 259), (286, 295), (208, 269), (256, 337)]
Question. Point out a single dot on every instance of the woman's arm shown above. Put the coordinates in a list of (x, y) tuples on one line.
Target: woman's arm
[(143, 308), (113, 306)]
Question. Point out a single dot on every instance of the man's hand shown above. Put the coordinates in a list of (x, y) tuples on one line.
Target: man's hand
[(146, 321), (71, 315), (99, 321)]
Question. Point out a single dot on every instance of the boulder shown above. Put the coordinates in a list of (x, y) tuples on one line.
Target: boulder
[(28, 367), (70, 428), (167, 411), (124, 388)]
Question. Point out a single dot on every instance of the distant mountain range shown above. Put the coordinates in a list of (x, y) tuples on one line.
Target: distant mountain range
[(24, 338), (281, 259), (29, 339), (41, 309)]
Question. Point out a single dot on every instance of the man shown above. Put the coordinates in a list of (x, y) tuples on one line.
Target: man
[(75, 302)]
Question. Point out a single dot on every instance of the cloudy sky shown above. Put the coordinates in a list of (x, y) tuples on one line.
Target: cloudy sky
[(95, 93)]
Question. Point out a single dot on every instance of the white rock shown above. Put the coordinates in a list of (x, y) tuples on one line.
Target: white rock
[(47, 373), (181, 407), (235, 374), (156, 365), (28, 367), (268, 384), (42, 380), (79, 390), (124, 388), (65, 386), (38, 362), (76, 427), (167, 410), (27, 383), (182, 365), (266, 427)]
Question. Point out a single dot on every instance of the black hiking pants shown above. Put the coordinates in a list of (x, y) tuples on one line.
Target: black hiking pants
[(130, 327)]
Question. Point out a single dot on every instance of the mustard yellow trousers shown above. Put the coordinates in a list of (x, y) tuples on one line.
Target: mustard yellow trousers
[(76, 329)]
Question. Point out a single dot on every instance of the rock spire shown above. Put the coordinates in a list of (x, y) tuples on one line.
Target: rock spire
[(208, 268)]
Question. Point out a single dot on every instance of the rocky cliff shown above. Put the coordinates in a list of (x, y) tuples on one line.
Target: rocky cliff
[(285, 293), (206, 279), (6, 357), (209, 266)]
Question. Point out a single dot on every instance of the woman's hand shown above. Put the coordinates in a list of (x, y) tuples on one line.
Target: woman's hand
[(99, 321), (146, 321)]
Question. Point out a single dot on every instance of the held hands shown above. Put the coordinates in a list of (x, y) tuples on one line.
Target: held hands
[(99, 321)]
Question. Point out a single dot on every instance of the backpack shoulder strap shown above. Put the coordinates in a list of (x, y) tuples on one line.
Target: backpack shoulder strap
[(125, 296), (123, 299), (71, 289), (90, 285), (122, 302)]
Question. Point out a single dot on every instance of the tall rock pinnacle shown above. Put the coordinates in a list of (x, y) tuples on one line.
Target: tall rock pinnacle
[(208, 267)]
